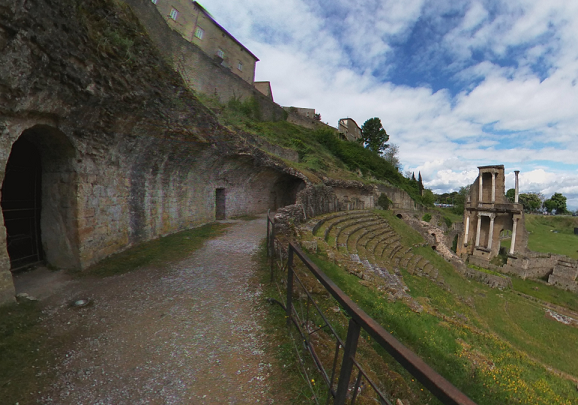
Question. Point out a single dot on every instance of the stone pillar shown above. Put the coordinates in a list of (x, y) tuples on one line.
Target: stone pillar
[(516, 172), (493, 188), (514, 228), (467, 229), (480, 184), (479, 230), (491, 233)]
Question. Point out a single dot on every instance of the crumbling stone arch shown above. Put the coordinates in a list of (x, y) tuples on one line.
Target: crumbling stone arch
[(57, 222)]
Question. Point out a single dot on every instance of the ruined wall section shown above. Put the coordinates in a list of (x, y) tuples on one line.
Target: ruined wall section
[(201, 72), (400, 199)]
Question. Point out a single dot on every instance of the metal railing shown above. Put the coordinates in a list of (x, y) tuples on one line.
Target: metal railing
[(304, 313)]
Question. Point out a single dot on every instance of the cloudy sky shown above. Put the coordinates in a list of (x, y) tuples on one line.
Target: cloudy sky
[(457, 84)]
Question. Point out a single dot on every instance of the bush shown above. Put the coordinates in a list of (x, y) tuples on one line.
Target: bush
[(426, 217), (448, 222), (248, 107), (383, 201)]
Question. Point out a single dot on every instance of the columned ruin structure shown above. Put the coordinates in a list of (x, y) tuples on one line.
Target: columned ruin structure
[(493, 215)]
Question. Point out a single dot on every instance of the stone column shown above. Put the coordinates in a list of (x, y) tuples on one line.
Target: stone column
[(516, 172), (514, 228), (480, 183), (493, 188), (479, 230), (467, 229), (491, 233)]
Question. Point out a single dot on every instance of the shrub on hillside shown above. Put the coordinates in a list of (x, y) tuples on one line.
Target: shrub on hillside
[(383, 201), (426, 217)]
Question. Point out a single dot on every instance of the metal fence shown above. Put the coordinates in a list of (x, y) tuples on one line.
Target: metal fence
[(343, 375)]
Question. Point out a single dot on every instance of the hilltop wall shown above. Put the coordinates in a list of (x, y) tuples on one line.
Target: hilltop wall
[(200, 72)]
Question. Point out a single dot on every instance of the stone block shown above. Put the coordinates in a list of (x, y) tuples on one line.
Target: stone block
[(565, 272), (563, 282)]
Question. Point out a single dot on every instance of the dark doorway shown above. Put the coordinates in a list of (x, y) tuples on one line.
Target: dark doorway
[(220, 203), (21, 204)]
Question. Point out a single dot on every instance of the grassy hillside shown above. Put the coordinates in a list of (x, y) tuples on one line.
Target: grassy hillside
[(497, 346), (321, 152), (552, 234)]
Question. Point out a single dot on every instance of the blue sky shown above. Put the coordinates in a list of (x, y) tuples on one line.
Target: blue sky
[(457, 84)]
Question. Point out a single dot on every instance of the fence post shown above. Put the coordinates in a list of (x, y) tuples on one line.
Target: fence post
[(347, 363), (289, 283), (272, 247), (268, 246)]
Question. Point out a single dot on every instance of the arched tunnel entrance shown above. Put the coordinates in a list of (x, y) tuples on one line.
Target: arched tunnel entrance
[(21, 205), (38, 201), (285, 191), (243, 187)]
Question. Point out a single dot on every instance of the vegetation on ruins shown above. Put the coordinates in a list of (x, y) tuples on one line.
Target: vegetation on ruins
[(321, 152)]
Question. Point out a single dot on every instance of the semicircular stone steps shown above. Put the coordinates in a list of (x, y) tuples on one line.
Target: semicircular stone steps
[(333, 226), (358, 239), (347, 228), (366, 244)]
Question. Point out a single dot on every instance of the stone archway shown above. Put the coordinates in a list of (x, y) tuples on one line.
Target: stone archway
[(40, 182), (21, 205)]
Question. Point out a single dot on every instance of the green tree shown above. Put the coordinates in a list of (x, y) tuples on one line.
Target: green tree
[(511, 195), (391, 156), (460, 200), (428, 197), (373, 136), (531, 201), (557, 202), (549, 205)]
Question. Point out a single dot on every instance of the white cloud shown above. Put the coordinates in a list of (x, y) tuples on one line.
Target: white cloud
[(523, 89)]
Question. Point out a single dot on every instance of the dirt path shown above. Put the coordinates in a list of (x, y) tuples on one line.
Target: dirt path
[(186, 334)]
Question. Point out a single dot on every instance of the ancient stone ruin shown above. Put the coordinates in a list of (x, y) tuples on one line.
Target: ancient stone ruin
[(490, 218)]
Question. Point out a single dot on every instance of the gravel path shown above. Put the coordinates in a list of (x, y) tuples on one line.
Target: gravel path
[(186, 334)]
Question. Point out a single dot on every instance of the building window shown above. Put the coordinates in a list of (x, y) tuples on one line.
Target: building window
[(174, 14), (240, 66), (199, 33), (220, 53)]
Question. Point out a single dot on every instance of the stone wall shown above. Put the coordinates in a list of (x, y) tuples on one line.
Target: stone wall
[(199, 71), (311, 123), (400, 198), (128, 153)]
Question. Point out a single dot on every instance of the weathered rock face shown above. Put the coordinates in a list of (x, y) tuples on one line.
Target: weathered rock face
[(127, 152)]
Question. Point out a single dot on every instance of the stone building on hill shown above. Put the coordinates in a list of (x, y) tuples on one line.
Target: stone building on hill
[(265, 89), (196, 25), (348, 129), (489, 217)]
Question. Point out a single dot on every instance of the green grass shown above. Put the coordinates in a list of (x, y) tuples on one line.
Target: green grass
[(285, 345), (546, 293), (409, 236), (24, 351), (542, 237), (449, 213), (487, 271), (493, 345), (321, 152), (472, 358), (156, 252)]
